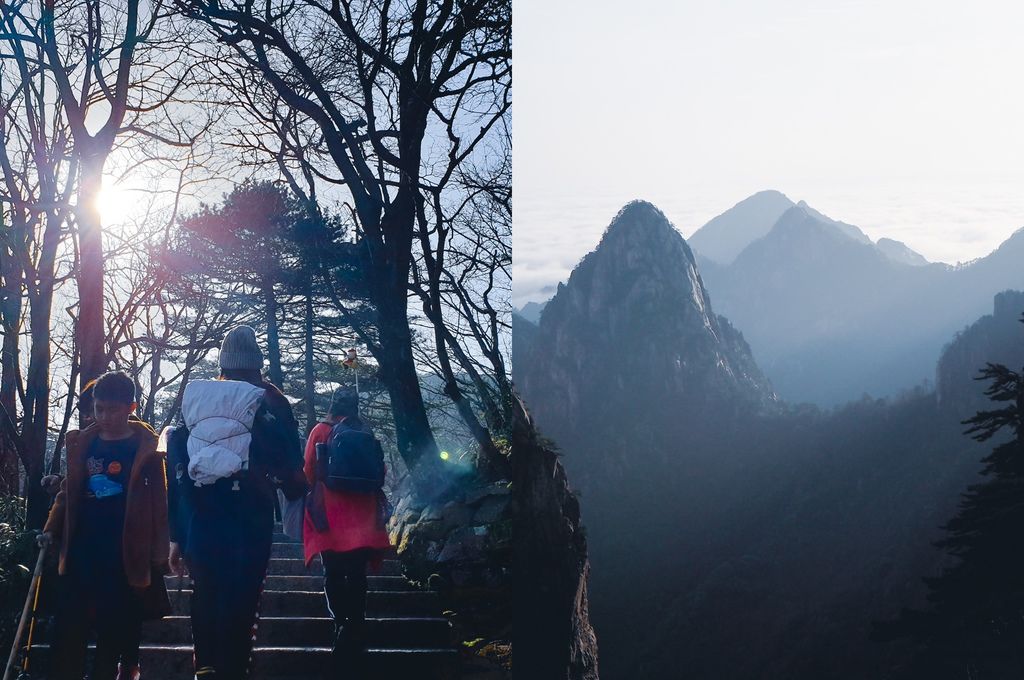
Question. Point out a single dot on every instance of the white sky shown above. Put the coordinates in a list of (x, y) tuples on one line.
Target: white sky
[(904, 118)]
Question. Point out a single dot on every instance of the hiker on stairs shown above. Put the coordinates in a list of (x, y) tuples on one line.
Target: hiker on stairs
[(344, 523), (242, 443), (111, 520)]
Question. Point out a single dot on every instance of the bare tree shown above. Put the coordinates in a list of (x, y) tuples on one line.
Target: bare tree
[(463, 279), (38, 179), (113, 67), (378, 79)]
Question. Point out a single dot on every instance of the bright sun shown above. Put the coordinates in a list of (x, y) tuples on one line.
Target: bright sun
[(114, 204)]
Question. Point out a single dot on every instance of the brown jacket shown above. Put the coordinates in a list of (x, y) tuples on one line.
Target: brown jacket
[(145, 522)]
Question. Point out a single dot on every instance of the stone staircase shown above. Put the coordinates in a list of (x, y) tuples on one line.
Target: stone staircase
[(406, 635)]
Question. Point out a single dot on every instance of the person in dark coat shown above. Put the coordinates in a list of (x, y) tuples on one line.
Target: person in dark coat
[(222, 532)]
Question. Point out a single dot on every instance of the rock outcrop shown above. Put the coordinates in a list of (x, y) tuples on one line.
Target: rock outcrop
[(633, 335)]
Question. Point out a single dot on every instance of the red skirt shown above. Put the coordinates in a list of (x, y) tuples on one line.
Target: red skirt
[(352, 521)]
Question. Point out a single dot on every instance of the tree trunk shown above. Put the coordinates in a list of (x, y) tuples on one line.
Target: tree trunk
[(310, 386), (273, 335), (390, 261), (90, 328), (36, 418), (37, 379), (10, 318), (415, 439)]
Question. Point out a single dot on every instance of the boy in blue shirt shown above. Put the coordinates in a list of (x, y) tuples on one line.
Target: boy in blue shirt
[(111, 520)]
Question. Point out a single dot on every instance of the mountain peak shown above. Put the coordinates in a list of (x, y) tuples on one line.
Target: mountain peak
[(634, 325), (725, 236), (641, 229), (846, 229), (898, 251), (639, 215), (531, 311)]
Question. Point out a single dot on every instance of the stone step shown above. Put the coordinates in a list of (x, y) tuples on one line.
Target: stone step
[(295, 551), (291, 550), (286, 566), (295, 663), (310, 583), (380, 603), (286, 631)]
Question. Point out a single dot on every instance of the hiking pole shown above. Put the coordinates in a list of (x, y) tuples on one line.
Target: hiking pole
[(32, 625), (31, 601)]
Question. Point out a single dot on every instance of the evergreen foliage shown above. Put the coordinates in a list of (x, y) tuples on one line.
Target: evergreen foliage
[(975, 625)]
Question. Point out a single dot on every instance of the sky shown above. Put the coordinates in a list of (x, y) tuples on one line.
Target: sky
[(903, 118)]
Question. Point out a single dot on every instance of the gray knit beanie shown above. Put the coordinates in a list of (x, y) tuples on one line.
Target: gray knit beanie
[(240, 349), (344, 402)]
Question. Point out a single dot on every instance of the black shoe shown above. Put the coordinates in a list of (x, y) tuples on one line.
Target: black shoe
[(347, 655)]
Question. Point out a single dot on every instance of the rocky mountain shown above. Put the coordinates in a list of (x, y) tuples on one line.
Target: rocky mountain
[(531, 311), (997, 337), (898, 251), (848, 230), (832, 316), (633, 333), (631, 373), (714, 512), (524, 333), (725, 236)]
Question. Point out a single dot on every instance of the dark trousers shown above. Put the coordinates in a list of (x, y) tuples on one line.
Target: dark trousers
[(227, 556), (116, 617), (345, 587)]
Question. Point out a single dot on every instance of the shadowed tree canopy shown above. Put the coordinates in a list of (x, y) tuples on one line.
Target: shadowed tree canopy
[(975, 625)]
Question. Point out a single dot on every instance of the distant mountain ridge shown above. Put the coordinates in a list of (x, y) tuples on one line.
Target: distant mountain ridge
[(830, 318), (531, 311), (829, 314), (898, 251), (725, 236)]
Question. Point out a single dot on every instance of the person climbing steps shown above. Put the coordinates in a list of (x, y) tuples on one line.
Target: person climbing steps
[(344, 524)]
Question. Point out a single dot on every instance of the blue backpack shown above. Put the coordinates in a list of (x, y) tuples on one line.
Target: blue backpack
[(352, 459)]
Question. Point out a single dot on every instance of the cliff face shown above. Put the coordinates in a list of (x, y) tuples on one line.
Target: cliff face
[(552, 634), (633, 335), (996, 338)]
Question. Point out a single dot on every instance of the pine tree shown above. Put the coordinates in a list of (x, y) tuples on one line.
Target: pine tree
[(974, 627)]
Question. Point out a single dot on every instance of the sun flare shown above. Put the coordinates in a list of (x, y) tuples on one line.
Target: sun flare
[(115, 204)]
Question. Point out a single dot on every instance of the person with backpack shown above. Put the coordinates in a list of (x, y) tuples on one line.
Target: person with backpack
[(345, 517), (110, 518), (239, 443)]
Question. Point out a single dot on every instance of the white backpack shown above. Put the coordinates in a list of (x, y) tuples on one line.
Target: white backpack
[(219, 415)]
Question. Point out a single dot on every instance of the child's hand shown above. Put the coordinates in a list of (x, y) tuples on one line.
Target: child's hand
[(175, 562), (44, 539), (51, 484)]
